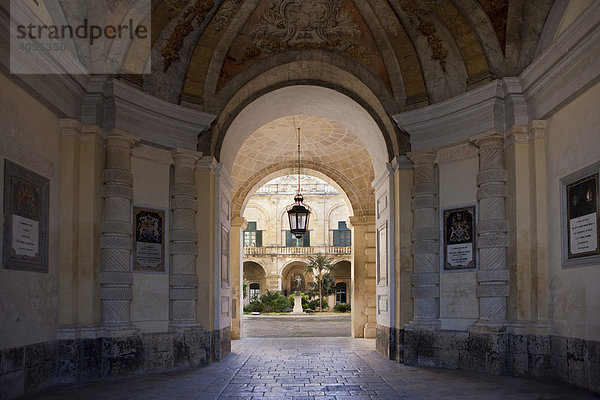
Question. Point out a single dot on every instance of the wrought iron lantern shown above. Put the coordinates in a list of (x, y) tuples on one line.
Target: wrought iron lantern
[(298, 213)]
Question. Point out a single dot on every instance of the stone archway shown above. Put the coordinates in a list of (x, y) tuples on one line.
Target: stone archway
[(254, 274)]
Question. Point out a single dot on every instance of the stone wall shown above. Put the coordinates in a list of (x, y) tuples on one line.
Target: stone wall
[(28, 369), (548, 357)]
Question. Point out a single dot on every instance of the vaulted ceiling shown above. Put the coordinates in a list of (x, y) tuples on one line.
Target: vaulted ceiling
[(387, 56), (217, 55)]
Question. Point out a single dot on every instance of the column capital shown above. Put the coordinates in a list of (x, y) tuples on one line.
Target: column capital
[(537, 129), (184, 157), (493, 139), (70, 127), (239, 222), (422, 156), (361, 221), (206, 163), (119, 136)]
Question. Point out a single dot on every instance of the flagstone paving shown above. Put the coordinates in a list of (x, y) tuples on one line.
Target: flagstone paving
[(315, 369)]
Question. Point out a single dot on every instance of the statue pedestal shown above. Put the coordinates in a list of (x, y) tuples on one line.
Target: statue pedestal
[(297, 305)]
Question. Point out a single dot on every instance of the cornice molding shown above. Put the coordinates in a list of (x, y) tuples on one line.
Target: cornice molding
[(455, 153), (151, 153), (152, 119), (566, 68)]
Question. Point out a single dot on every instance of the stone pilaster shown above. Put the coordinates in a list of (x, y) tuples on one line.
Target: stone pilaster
[(238, 224), (425, 248), (492, 240), (183, 281), (116, 242)]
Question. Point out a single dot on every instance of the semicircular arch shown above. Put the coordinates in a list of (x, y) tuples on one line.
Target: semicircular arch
[(359, 203)]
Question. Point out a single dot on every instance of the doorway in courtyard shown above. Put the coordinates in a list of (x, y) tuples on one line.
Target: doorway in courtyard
[(340, 141), (277, 264)]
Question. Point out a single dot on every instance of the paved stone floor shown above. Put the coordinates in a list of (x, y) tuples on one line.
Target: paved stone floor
[(309, 325), (315, 369)]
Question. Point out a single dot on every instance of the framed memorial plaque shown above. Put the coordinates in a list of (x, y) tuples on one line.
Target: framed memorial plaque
[(459, 238), (26, 202), (149, 240), (583, 217), (224, 257)]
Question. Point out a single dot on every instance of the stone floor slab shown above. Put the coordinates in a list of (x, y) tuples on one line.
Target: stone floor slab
[(315, 369)]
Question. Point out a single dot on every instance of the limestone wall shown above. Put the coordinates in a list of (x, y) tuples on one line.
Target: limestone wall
[(150, 303), (29, 137), (457, 188), (573, 143)]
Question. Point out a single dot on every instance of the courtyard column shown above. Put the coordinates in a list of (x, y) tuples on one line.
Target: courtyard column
[(238, 224), (364, 257), (116, 241), (492, 240), (425, 237), (183, 281)]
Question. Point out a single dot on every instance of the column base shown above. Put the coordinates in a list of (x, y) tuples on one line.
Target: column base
[(489, 326), (118, 330), (184, 326), (524, 328), (423, 325), (370, 330)]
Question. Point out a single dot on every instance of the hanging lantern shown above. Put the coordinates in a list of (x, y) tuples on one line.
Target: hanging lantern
[(298, 215)]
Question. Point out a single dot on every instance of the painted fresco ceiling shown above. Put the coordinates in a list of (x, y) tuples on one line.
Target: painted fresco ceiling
[(389, 56), (418, 51)]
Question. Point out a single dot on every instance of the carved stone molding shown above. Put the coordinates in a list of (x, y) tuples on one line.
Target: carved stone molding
[(183, 282), (425, 249), (116, 241)]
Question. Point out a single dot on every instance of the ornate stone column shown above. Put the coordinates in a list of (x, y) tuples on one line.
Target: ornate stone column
[(425, 248), (116, 241), (183, 281), (492, 240)]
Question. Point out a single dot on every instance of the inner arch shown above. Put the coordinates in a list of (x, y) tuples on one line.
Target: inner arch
[(307, 100)]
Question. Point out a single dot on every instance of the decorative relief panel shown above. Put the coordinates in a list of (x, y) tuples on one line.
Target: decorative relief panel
[(149, 240), (282, 25), (459, 238)]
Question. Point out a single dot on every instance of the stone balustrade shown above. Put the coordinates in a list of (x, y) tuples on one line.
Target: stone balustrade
[(293, 251)]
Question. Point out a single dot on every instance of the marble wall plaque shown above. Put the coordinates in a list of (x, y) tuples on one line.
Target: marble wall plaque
[(150, 238), (459, 238), (26, 204), (583, 218)]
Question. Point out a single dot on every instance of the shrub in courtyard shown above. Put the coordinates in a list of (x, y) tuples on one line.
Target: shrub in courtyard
[(255, 306), (274, 301), (341, 307), (314, 304)]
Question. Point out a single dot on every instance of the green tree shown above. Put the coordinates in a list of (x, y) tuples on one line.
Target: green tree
[(320, 266), (245, 288)]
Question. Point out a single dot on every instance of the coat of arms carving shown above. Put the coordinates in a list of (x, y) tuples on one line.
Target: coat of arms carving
[(304, 23)]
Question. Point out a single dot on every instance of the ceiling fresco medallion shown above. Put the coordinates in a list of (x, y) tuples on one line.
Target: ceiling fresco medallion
[(305, 24)]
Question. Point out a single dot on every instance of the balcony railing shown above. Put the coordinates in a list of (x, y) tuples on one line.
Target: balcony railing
[(293, 251)]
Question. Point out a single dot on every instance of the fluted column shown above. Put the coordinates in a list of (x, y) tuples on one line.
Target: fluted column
[(116, 243), (425, 248), (183, 281), (492, 241)]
